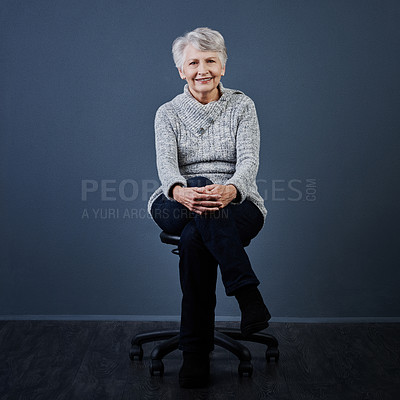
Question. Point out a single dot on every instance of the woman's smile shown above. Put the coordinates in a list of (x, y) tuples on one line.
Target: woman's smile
[(203, 81)]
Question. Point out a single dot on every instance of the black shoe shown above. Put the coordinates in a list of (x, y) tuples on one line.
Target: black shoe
[(255, 314), (195, 370)]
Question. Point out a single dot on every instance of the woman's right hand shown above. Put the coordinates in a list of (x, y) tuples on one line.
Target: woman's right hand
[(197, 199)]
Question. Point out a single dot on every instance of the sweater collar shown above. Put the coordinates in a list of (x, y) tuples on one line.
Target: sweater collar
[(198, 117)]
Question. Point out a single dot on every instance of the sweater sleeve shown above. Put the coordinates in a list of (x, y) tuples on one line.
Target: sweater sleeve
[(166, 153), (247, 152)]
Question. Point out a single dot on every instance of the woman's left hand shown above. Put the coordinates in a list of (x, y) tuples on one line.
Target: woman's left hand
[(227, 193)]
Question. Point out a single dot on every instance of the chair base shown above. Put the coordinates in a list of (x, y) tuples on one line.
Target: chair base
[(224, 337)]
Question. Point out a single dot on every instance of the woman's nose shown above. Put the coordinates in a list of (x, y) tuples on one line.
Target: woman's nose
[(202, 68)]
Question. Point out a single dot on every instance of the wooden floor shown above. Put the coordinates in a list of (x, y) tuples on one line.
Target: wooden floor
[(89, 360)]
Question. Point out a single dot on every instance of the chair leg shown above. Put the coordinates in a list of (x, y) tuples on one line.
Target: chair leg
[(147, 337), (228, 343), (263, 338), (240, 351), (141, 338), (160, 351)]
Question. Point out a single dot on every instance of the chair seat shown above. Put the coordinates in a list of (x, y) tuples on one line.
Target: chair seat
[(167, 238)]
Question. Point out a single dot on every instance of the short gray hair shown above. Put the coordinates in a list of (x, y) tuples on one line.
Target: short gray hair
[(204, 39)]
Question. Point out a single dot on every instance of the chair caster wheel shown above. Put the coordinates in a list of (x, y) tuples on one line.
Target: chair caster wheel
[(245, 367), (156, 366), (136, 351), (272, 353)]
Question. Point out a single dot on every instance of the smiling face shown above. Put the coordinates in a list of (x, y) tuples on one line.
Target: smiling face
[(202, 71)]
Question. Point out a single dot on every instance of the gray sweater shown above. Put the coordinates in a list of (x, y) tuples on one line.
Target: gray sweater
[(219, 140)]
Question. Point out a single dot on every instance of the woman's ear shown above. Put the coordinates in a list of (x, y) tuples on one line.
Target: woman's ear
[(182, 75)]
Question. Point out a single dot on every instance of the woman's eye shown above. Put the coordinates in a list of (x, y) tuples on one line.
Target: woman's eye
[(192, 63), (211, 61)]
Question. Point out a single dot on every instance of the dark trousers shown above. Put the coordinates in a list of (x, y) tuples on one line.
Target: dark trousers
[(207, 241)]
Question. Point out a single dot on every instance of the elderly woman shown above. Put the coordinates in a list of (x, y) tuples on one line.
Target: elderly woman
[(207, 147)]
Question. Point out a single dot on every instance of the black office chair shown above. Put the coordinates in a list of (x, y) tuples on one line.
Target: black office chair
[(224, 337)]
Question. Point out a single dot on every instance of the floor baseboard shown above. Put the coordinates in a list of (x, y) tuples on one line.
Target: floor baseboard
[(317, 320)]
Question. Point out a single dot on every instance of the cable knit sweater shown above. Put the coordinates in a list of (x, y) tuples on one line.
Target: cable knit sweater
[(219, 140)]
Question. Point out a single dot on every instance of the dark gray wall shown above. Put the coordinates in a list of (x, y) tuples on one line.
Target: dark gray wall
[(80, 82)]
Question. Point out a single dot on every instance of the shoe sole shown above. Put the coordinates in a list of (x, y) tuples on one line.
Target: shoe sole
[(256, 327)]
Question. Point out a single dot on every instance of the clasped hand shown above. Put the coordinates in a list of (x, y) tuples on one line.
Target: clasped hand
[(205, 199)]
